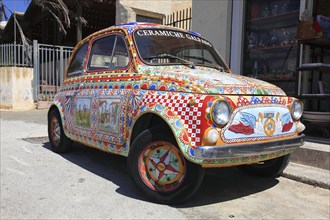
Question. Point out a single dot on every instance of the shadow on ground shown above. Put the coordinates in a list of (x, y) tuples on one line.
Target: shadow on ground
[(219, 185)]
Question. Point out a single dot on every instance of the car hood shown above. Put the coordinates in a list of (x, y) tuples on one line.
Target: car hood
[(207, 81)]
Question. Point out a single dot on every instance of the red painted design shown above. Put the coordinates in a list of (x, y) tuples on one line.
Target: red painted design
[(184, 137), (150, 105), (241, 128), (144, 86), (162, 87), (169, 114), (178, 105), (265, 100), (242, 101), (287, 126)]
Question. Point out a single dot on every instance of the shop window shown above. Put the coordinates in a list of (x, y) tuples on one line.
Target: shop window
[(270, 48)]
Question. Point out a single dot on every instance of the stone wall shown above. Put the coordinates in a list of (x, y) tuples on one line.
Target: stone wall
[(16, 88), (126, 10)]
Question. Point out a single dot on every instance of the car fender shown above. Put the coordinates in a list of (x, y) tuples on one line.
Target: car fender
[(174, 122)]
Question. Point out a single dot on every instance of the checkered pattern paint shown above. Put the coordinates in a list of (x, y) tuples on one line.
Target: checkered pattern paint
[(179, 105)]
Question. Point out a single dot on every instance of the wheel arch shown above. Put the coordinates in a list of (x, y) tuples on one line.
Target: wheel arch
[(149, 120), (58, 108), (152, 119)]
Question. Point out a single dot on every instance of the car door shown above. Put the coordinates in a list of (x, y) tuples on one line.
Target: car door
[(73, 84), (109, 58)]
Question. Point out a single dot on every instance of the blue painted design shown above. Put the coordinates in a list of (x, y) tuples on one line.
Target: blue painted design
[(236, 90), (160, 108), (274, 100), (286, 118), (178, 124), (195, 33), (161, 93), (248, 119), (255, 100), (192, 152)]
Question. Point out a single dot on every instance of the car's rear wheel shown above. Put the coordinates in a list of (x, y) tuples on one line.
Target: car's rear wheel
[(268, 168), (59, 142), (160, 171)]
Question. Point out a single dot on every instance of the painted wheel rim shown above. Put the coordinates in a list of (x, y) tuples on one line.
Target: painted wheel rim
[(55, 131), (161, 167)]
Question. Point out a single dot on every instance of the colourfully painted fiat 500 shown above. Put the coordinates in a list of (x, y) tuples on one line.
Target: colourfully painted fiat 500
[(164, 98)]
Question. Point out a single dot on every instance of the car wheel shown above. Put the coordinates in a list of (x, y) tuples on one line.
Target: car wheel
[(160, 171), (59, 142), (268, 168)]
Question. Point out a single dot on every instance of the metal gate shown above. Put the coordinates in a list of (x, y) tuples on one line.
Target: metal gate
[(180, 19), (50, 62)]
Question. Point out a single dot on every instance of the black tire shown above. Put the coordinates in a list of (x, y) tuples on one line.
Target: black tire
[(168, 188), (59, 142), (268, 168)]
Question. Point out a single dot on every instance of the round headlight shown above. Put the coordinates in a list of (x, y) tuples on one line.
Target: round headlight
[(220, 113), (297, 110)]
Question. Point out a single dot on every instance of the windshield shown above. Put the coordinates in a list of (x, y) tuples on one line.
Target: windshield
[(172, 47)]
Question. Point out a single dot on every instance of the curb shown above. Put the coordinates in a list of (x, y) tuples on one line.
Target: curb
[(307, 174)]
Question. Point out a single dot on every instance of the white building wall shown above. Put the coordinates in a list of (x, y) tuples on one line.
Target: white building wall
[(212, 19), (126, 10)]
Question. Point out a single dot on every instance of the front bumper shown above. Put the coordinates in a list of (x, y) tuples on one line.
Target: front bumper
[(244, 150)]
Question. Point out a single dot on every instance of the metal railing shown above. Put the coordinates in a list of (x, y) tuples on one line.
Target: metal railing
[(50, 62), (16, 55), (180, 19)]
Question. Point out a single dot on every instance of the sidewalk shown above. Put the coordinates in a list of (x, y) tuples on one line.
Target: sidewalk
[(308, 174), (316, 156)]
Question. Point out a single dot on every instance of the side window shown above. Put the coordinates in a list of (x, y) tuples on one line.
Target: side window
[(109, 53), (121, 56), (77, 63)]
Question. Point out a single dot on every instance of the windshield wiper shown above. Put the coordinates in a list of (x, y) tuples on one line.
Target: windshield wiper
[(166, 55), (218, 67)]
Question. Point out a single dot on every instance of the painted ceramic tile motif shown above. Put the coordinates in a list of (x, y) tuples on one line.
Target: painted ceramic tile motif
[(83, 112), (108, 119)]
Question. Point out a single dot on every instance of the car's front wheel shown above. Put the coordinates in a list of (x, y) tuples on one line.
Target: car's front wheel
[(160, 171), (59, 142), (268, 168)]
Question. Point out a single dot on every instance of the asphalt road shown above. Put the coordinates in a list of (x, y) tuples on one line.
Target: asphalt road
[(87, 184)]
